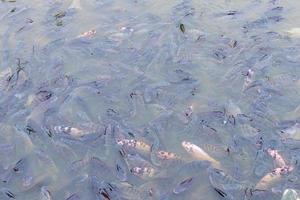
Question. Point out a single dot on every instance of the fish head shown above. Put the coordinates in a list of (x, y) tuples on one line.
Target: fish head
[(187, 146)]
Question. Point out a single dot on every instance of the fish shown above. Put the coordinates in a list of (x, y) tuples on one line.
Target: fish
[(183, 185), (225, 185), (143, 172), (277, 157), (75, 132), (198, 153), (104, 190), (165, 155), (273, 177), (135, 144), (269, 179)]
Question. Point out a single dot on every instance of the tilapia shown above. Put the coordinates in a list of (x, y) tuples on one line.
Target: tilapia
[(183, 185), (199, 154), (135, 144), (268, 180), (165, 155), (225, 185), (277, 157), (104, 190), (273, 177), (73, 131), (143, 172)]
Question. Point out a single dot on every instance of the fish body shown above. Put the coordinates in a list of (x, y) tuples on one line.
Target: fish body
[(143, 172), (225, 185), (165, 155), (135, 144), (277, 157), (75, 132), (183, 185), (268, 180), (199, 153)]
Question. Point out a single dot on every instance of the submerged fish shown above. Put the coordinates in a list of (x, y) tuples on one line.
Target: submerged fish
[(277, 157), (143, 172), (199, 153), (225, 185), (75, 132), (273, 177), (135, 144), (268, 180), (165, 155), (183, 185)]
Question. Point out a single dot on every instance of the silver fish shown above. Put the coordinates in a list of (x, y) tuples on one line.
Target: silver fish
[(199, 153)]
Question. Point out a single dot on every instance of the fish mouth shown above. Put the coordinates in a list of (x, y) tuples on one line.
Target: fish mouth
[(186, 145)]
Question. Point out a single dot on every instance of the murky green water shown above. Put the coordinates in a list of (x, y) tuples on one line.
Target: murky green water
[(159, 100)]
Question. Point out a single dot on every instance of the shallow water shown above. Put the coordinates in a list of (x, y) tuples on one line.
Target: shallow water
[(133, 99)]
